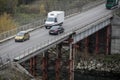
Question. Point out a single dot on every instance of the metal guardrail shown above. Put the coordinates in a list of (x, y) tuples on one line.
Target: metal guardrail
[(11, 33), (37, 24)]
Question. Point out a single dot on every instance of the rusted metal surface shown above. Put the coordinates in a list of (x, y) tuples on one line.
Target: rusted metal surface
[(97, 43), (108, 39), (45, 66), (58, 62)]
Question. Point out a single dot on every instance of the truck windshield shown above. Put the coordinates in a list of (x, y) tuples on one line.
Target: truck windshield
[(109, 1), (51, 19)]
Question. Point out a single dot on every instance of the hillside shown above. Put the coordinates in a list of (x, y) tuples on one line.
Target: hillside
[(13, 71)]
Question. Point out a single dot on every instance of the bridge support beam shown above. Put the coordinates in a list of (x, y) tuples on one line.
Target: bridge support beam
[(108, 39), (71, 62), (33, 66), (86, 47), (45, 66), (97, 43), (58, 61)]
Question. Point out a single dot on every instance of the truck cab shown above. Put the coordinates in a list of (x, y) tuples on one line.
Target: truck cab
[(54, 18), (110, 4)]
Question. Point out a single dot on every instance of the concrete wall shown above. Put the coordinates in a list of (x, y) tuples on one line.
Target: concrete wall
[(115, 43)]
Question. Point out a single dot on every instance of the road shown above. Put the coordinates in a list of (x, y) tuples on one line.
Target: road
[(13, 49)]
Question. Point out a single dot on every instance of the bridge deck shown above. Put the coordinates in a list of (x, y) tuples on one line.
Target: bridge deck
[(40, 37)]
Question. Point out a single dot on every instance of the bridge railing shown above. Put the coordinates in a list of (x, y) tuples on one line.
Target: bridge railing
[(37, 24), (31, 26)]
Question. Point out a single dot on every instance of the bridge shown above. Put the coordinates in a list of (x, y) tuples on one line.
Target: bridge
[(77, 28)]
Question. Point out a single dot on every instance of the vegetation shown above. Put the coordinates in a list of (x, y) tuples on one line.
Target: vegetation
[(8, 6), (6, 23), (12, 72), (112, 58), (8, 9), (27, 11)]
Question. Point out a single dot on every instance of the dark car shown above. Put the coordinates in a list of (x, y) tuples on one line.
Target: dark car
[(22, 36), (55, 30)]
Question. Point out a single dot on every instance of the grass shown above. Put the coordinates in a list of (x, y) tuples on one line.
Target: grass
[(24, 18), (6, 23)]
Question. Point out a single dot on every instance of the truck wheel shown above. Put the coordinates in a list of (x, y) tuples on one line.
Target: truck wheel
[(61, 24), (46, 27)]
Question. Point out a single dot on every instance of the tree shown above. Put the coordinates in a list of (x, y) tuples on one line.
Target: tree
[(25, 1), (8, 6)]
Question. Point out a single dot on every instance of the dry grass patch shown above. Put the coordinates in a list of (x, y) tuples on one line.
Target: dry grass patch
[(6, 23)]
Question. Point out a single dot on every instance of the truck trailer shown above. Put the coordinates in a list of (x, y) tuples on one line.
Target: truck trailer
[(110, 4), (54, 18)]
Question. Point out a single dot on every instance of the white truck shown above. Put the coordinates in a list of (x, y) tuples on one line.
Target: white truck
[(54, 18)]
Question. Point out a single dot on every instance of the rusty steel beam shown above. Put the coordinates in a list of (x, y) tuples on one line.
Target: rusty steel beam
[(86, 46), (71, 62), (57, 69), (108, 39), (45, 66), (97, 43), (34, 66), (31, 66), (58, 61)]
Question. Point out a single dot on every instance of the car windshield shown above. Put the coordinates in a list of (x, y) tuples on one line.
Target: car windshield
[(51, 19), (54, 27), (20, 34)]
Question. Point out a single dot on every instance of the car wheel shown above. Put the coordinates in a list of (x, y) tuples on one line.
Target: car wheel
[(62, 31), (28, 38), (15, 40), (58, 33), (23, 40), (46, 27)]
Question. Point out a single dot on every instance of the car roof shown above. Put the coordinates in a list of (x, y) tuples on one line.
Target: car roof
[(54, 27), (23, 31)]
